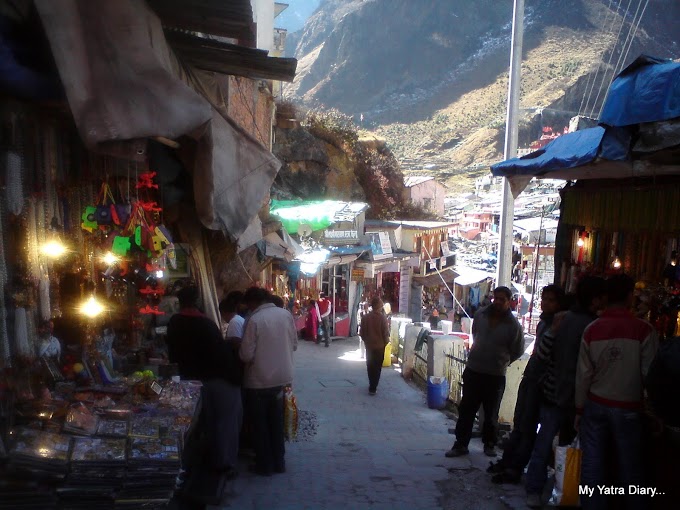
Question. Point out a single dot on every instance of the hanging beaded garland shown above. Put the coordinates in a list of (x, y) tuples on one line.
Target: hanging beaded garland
[(14, 179), (5, 352)]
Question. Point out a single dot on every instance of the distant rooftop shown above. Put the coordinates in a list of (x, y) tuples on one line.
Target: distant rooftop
[(422, 225), (413, 180)]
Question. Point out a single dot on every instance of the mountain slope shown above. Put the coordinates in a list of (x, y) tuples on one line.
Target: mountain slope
[(431, 76)]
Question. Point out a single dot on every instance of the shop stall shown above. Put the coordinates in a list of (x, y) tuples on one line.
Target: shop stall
[(92, 414)]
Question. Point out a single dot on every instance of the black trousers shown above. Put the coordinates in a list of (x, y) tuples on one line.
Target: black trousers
[(519, 445), (487, 391), (265, 409), (374, 360)]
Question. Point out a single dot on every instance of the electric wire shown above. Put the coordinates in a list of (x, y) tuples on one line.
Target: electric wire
[(585, 90), (625, 58), (611, 53), (619, 61)]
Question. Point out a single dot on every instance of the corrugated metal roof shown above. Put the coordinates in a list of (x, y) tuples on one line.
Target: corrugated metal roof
[(413, 180)]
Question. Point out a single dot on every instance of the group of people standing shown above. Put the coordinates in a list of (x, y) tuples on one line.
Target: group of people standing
[(246, 368), (585, 377)]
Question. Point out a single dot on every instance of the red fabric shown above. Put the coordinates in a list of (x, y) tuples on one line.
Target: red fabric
[(617, 323), (324, 304), (312, 325)]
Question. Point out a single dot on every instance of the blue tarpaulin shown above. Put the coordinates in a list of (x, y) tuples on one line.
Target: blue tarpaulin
[(648, 90), (569, 151)]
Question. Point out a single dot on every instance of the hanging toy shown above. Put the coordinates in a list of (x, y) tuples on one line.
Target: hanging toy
[(146, 181), (89, 218), (148, 310)]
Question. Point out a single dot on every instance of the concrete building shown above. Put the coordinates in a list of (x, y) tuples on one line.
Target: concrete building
[(425, 191)]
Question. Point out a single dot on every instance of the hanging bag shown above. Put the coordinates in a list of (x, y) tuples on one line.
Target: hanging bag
[(567, 475), (290, 414)]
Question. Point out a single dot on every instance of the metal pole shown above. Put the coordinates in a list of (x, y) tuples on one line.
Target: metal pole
[(504, 264), (535, 275)]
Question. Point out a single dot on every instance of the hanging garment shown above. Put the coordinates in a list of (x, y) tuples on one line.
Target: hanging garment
[(14, 180)]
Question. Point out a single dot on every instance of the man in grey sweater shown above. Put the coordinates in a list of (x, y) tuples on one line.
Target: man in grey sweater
[(498, 340)]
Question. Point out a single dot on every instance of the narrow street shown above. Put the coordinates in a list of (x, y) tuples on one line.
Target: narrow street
[(357, 451)]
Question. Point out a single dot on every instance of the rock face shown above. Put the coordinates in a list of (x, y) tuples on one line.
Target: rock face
[(313, 168), (431, 76)]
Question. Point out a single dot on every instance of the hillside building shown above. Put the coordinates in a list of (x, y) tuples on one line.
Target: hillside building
[(425, 191)]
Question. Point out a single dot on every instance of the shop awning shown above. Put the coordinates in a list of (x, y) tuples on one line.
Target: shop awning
[(316, 214), (645, 91), (590, 153), (434, 279), (470, 276)]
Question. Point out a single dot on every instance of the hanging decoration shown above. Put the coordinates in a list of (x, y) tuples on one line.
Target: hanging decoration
[(14, 180)]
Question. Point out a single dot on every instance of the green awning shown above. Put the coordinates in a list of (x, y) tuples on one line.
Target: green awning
[(318, 214)]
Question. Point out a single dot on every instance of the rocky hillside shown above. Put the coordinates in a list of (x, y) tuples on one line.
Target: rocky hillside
[(431, 76)]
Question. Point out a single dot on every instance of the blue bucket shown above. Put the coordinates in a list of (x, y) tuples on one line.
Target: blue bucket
[(437, 392)]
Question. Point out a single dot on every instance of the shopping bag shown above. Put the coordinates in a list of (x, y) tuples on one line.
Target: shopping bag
[(567, 475), (290, 414)]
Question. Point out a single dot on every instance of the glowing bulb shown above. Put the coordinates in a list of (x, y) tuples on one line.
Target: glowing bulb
[(91, 308), (53, 249), (617, 263), (159, 273), (580, 242), (110, 259)]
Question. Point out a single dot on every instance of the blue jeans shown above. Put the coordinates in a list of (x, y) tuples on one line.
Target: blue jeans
[(622, 428), (551, 419)]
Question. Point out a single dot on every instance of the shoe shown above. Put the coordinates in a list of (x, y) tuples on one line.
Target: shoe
[(490, 451), (259, 471), (506, 477), (534, 501), (279, 471), (495, 467), (371, 392), (457, 451)]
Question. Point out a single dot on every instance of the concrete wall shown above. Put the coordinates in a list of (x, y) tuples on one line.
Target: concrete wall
[(429, 190), (263, 15)]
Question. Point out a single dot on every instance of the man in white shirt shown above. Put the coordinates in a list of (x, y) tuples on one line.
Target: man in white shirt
[(229, 308), (269, 339)]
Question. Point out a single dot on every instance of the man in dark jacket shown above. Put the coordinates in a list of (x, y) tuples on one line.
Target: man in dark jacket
[(560, 350), (375, 334), (196, 345), (498, 340), (518, 448)]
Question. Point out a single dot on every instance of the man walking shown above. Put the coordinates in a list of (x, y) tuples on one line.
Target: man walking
[(375, 334), (498, 340), (325, 306), (616, 352), (269, 340)]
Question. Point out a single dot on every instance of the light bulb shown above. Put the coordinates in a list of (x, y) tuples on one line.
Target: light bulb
[(110, 259), (159, 273), (580, 242), (617, 263), (91, 308), (53, 249)]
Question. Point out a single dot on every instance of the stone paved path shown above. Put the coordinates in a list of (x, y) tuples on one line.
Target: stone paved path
[(369, 452)]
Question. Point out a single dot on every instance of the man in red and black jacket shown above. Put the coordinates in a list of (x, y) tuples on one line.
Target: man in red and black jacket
[(325, 311), (616, 352)]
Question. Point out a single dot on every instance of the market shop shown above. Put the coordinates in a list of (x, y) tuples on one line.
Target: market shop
[(114, 175), (620, 212)]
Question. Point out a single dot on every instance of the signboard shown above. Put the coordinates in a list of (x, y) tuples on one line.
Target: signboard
[(380, 245), (358, 275), (404, 289), (445, 249), (341, 236)]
